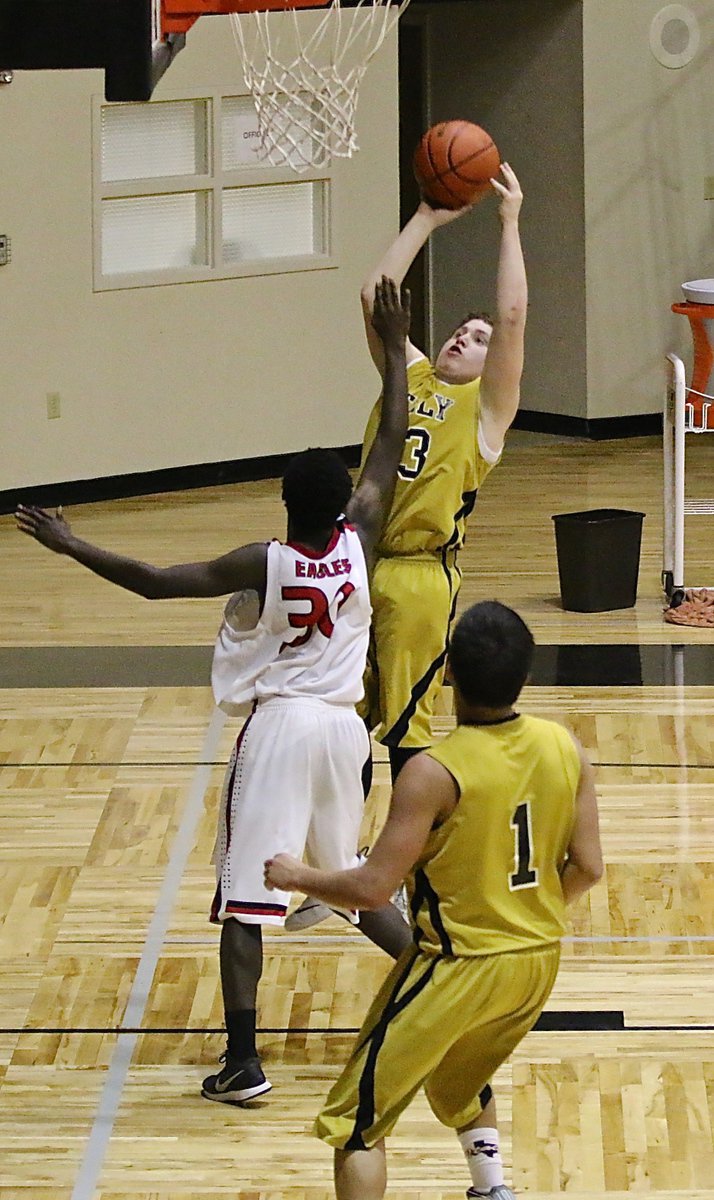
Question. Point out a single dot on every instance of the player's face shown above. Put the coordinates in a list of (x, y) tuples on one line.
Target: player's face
[(461, 358)]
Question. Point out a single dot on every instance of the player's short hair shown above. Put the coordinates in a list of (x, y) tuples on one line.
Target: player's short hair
[(490, 654), (316, 488), (482, 315)]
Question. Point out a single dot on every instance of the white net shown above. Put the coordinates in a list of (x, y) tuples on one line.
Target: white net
[(304, 74)]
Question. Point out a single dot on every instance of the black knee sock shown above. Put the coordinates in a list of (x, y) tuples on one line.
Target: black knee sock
[(240, 1026), (241, 968), (387, 928)]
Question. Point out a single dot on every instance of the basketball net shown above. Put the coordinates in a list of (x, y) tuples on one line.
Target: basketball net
[(305, 77)]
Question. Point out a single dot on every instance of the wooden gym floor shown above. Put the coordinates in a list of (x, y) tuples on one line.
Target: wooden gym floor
[(111, 760)]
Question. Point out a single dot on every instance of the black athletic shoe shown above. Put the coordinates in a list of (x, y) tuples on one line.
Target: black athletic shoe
[(237, 1082), (497, 1193), (311, 912)]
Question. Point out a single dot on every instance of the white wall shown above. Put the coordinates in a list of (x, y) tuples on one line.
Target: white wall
[(613, 150), (165, 376), (516, 68), (649, 144)]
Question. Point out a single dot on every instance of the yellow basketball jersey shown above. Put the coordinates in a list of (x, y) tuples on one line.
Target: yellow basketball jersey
[(441, 468), (488, 880)]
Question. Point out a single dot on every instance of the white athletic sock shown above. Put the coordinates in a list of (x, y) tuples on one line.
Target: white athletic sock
[(483, 1157)]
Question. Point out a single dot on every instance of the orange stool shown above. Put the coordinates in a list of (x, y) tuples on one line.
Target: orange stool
[(701, 390)]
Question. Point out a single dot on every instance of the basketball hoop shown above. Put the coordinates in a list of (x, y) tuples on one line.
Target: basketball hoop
[(305, 79)]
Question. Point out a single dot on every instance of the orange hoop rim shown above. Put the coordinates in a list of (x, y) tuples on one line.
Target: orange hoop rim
[(177, 16)]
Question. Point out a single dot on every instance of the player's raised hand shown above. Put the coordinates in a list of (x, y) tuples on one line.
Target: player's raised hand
[(280, 872), (50, 529), (441, 216), (391, 314), (509, 189)]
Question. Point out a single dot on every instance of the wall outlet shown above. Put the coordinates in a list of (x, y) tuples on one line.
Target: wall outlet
[(5, 250), (54, 410), (709, 187)]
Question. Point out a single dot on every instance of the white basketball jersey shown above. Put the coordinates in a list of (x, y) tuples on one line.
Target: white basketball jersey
[(310, 639)]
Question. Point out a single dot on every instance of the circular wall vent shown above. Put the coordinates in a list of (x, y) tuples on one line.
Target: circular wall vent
[(674, 36)]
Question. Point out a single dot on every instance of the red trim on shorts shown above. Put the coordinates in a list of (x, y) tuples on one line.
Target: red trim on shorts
[(217, 897), (229, 804), (309, 553), (258, 910), (229, 792)]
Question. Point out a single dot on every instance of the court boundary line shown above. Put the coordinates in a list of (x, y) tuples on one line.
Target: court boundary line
[(343, 939), (186, 762), (88, 1175), (551, 1026)]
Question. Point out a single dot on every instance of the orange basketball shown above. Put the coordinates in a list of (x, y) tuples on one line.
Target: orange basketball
[(454, 162)]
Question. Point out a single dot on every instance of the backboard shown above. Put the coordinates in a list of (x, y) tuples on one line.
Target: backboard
[(125, 37), (133, 40)]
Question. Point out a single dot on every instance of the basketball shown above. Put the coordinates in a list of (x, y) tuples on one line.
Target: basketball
[(454, 162)]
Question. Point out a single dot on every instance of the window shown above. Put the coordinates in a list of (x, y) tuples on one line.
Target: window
[(181, 196)]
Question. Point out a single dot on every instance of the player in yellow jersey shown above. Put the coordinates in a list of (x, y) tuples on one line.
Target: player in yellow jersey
[(460, 410), (496, 829)]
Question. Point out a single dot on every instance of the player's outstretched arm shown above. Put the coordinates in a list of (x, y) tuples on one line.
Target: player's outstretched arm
[(583, 866), (501, 378), (372, 498), (396, 262), (242, 568), (424, 794)]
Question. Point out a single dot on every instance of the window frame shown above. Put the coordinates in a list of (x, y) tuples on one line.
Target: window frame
[(213, 183)]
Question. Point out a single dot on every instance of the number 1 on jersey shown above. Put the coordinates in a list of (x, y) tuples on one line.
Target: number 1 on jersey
[(524, 876)]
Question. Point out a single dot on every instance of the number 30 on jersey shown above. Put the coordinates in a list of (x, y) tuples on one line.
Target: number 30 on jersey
[(317, 615)]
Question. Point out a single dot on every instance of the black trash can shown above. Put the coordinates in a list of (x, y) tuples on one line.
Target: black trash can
[(598, 558)]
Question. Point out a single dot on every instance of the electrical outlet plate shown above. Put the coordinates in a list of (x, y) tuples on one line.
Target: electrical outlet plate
[(5, 250), (53, 406)]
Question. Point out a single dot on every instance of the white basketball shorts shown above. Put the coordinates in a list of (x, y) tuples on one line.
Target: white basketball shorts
[(293, 785)]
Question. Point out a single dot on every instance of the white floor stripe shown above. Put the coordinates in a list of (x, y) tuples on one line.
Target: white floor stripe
[(656, 937), (95, 1151), (96, 1148)]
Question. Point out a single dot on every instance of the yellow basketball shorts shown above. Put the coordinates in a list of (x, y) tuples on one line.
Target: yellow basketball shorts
[(445, 1024), (413, 604)]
